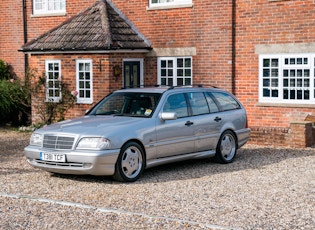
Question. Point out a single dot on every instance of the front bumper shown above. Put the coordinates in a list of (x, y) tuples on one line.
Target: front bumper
[(83, 162)]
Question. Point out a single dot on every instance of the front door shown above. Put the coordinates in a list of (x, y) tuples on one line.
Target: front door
[(132, 74), (175, 137)]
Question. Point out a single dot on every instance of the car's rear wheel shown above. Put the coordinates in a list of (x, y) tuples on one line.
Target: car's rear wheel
[(130, 163), (226, 148)]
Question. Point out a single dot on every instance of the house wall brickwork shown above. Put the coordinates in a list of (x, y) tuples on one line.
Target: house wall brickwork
[(11, 35), (268, 22), (203, 31)]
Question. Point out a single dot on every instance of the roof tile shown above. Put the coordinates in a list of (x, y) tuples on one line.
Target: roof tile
[(100, 27)]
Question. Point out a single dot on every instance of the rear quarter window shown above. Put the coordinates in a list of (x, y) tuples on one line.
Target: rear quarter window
[(226, 101)]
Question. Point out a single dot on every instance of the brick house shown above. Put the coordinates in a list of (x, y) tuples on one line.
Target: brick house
[(262, 51)]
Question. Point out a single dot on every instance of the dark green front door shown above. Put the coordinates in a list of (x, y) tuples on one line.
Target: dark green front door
[(131, 74)]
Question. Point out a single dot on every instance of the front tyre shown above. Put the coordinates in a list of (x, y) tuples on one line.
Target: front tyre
[(130, 163), (226, 148)]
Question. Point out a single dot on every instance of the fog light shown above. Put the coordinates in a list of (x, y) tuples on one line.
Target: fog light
[(87, 165)]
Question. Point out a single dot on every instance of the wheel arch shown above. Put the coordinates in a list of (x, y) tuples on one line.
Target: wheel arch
[(234, 134), (141, 145)]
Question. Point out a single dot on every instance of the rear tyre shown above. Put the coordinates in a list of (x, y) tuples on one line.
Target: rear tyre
[(130, 163), (226, 148)]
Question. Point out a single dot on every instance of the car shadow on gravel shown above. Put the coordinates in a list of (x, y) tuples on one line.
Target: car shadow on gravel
[(246, 158)]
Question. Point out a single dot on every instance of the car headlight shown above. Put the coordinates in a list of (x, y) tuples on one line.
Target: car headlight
[(36, 139), (94, 143)]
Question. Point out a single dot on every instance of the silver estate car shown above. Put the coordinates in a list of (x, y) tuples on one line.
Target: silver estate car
[(133, 129)]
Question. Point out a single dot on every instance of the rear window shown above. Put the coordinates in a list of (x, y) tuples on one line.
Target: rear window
[(226, 101)]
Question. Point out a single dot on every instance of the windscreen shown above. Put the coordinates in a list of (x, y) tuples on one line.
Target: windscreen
[(128, 104)]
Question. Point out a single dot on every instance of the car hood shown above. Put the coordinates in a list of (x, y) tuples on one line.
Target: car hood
[(93, 125)]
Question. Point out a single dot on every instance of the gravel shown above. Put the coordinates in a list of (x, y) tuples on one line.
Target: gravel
[(264, 188)]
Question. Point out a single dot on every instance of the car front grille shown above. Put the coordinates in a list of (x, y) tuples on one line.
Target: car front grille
[(58, 142)]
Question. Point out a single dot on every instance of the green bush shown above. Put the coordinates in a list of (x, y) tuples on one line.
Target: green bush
[(14, 102)]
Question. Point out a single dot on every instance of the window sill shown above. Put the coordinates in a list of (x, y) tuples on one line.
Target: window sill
[(48, 15), (170, 7), (84, 102), (284, 105)]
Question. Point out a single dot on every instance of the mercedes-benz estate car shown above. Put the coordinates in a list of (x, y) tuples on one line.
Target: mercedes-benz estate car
[(134, 129)]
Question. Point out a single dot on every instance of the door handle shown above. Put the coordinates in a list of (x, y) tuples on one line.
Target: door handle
[(217, 119), (189, 123)]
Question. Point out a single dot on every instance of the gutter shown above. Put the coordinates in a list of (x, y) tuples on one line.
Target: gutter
[(25, 35)]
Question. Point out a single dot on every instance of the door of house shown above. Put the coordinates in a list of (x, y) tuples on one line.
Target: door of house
[(132, 74)]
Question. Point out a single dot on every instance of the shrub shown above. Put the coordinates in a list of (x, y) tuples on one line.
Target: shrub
[(14, 102)]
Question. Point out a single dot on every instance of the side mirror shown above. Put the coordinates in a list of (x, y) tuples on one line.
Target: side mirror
[(168, 116)]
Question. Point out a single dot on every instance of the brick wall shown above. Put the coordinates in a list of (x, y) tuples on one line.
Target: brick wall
[(11, 35), (269, 22)]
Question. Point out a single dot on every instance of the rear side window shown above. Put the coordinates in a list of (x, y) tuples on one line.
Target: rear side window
[(212, 105), (226, 101), (198, 103)]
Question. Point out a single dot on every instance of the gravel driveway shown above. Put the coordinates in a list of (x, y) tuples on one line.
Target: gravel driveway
[(264, 188)]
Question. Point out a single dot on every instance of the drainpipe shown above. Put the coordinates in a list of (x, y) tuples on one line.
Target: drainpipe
[(25, 35), (233, 44)]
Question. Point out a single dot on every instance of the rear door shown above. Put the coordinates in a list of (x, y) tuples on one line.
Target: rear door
[(175, 137), (206, 121)]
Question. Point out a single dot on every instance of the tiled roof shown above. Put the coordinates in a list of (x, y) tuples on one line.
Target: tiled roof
[(101, 27)]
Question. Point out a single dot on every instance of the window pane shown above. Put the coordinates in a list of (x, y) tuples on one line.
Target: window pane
[(212, 105), (163, 64), (266, 82), (266, 63), (187, 62), (226, 101), (188, 81), (198, 103), (274, 72), (306, 95), (274, 63), (180, 62), (266, 92), (187, 72), (176, 103), (274, 82), (180, 72), (274, 93), (266, 73), (180, 81)]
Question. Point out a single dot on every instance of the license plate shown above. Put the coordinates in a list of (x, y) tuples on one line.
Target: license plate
[(56, 157)]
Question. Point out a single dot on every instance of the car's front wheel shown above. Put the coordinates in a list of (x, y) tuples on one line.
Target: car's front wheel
[(130, 163), (226, 148)]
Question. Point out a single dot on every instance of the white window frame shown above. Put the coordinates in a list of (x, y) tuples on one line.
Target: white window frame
[(305, 82), (170, 3), (82, 99), (45, 7), (175, 68), (55, 81)]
